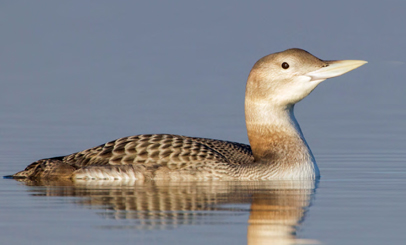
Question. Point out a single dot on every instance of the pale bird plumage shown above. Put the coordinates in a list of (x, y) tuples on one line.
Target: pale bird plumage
[(277, 150)]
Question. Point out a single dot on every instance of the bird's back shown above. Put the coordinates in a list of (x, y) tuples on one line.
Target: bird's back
[(151, 155)]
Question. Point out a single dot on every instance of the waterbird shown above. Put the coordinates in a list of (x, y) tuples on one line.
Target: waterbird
[(277, 150)]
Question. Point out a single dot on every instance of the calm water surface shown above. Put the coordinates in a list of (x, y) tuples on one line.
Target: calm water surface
[(74, 76)]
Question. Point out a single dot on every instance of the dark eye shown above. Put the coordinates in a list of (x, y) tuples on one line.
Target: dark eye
[(285, 65)]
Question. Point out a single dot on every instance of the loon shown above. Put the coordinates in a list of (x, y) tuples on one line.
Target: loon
[(277, 150)]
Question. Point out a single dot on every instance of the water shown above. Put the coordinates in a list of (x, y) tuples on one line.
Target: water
[(77, 75)]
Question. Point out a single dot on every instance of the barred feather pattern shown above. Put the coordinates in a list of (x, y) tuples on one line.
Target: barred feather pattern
[(154, 156)]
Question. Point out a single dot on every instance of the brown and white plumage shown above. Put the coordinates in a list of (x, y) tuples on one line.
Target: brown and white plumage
[(153, 155), (278, 149)]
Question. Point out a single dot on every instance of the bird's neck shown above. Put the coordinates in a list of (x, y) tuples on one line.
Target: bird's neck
[(274, 134)]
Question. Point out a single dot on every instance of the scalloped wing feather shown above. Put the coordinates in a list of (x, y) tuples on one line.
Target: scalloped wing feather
[(173, 151)]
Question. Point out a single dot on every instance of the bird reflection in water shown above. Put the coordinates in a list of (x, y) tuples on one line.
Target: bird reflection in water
[(277, 207)]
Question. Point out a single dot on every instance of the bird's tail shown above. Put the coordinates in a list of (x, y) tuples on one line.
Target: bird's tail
[(45, 168)]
